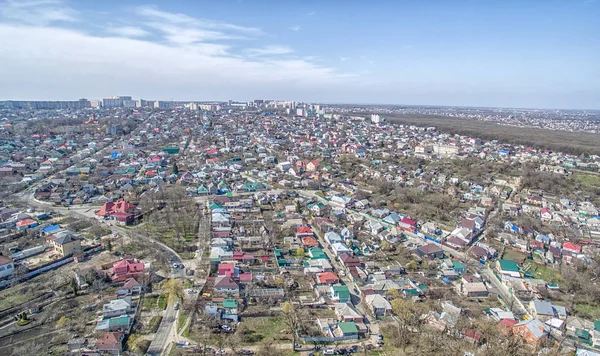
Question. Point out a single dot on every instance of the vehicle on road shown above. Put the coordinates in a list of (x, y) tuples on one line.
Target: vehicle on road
[(246, 352), (220, 352), (329, 352), (176, 307)]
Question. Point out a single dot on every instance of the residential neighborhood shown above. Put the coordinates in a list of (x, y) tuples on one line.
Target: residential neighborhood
[(246, 226)]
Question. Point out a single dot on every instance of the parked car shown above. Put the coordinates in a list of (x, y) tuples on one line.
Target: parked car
[(329, 352), (176, 307), (246, 352)]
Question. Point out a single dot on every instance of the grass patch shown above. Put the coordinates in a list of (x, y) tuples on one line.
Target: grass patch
[(548, 274), (149, 303), (181, 319), (587, 311), (510, 254), (12, 300), (162, 302), (152, 325), (263, 328), (587, 180)]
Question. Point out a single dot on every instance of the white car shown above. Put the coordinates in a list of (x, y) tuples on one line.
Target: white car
[(329, 352), (220, 352)]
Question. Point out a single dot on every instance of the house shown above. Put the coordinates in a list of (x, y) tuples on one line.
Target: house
[(121, 211), (6, 267), (431, 251), (130, 287), (378, 304), (227, 270), (66, 244), (230, 309), (407, 224), (472, 336), (125, 269), (26, 224), (508, 268), (327, 278), (348, 261), (474, 289), (339, 294), (116, 307), (573, 248), (340, 249), (331, 237), (532, 331), (546, 214), (111, 343), (226, 285), (348, 329), (346, 312), (546, 310), (120, 323)]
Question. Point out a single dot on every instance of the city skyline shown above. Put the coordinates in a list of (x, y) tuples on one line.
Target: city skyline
[(507, 54)]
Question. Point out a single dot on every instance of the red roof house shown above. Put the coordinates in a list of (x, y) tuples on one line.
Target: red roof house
[(327, 278), (569, 246), (110, 342)]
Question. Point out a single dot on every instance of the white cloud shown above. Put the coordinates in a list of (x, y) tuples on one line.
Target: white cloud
[(154, 15), (36, 11), (343, 59), (127, 31), (69, 64), (295, 28), (269, 50), (157, 55)]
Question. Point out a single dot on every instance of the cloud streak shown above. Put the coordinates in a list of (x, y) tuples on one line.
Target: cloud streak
[(36, 12), (127, 31)]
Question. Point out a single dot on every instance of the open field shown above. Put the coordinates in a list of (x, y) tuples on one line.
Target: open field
[(568, 142)]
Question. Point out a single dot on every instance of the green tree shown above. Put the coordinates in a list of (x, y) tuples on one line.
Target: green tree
[(74, 286), (175, 168), (174, 289), (109, 246)]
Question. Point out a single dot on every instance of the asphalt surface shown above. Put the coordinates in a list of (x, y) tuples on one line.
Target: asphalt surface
[(163, 334)]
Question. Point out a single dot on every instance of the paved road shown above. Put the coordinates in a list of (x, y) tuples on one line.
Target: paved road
[(164, 333)]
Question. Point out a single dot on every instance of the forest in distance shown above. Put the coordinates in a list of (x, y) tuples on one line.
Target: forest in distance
[(577, 143)]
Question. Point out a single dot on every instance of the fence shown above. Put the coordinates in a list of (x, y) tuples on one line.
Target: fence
[(326, 339), (48, 267)]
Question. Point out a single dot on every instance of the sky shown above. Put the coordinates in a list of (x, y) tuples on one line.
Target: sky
[(505, 53)]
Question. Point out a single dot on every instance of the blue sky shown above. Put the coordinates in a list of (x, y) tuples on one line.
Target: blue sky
[(542, 53)]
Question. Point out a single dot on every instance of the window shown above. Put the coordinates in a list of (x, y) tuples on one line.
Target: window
[(10, 266), (2, 268)]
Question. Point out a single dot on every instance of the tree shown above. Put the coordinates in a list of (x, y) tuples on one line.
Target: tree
[(408, 320), (300, 251), (74, 286), (109, 246), (412, 266), (174, 288), (175, 168), (291, 321)]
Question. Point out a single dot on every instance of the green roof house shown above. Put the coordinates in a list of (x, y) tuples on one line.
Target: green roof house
[(348, 328), (339, 294), (508, 268)]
